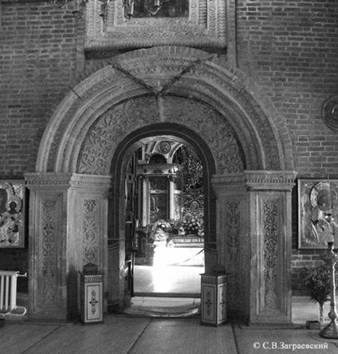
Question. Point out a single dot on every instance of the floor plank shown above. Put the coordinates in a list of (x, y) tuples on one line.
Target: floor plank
[(17, 338), (184, 336), (116, 335)]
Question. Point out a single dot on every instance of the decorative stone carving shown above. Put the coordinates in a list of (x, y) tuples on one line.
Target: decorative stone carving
[(270, 180), (109, 77), (270, 205), (47, 179), (270, 227), (219, 87), (235, 89), (115, 124), (193, 74), (90, 232), (127, 25), (110, 129), (270, 224), (209, 124), (330, 112), (232, 258), (48, 255), (220, 182), (233, 243), (100, 184)]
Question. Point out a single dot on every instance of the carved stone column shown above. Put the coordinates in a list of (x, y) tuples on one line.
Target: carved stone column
[(232, 240), (67, 229), (87, 230), (270, 233), (47, 274)]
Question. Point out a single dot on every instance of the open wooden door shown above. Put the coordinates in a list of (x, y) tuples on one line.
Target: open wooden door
[(130, 224)]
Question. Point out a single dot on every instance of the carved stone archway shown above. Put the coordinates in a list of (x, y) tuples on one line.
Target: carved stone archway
[(252, 180), (160, 72)]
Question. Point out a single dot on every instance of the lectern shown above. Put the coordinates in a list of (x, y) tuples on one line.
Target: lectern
[(213, 299), (91, 294)]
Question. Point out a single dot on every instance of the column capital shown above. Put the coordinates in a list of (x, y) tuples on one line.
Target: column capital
[(229, 178), (44, 180), (270, 180), (227, 181), (41, 180), (99, 182)]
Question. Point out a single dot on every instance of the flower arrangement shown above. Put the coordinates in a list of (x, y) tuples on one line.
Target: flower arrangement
[(318, 281), (193, 226), (164, 225), (176, 227)]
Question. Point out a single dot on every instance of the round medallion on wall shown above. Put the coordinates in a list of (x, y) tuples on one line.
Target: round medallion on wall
[(330, 112), (164, 147)]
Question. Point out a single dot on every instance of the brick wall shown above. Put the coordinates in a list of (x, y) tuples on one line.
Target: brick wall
[(290, 49), (39, 60)]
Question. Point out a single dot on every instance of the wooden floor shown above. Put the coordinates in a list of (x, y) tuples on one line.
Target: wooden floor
[(117, 335), (127, 335)]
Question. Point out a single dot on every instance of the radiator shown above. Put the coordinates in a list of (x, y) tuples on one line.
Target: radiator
[(8, 283)]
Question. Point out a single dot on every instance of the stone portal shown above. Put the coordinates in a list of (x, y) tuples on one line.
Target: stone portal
[(186, 94)]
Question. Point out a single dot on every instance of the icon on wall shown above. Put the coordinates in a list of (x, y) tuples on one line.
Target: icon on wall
[(156, 8), (317, 213), (12, 220)]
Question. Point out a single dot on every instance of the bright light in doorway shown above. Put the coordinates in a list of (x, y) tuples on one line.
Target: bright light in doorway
[(173, 266)]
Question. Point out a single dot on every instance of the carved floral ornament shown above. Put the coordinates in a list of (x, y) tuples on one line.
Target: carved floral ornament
[(114, 125), (90, 230), (47, 264), (65, 180), (283, 180), (255, 180), (180, 73), (270, 250), (232, 222)]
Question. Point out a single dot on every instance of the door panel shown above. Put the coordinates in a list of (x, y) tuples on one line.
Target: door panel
[(130, 220)]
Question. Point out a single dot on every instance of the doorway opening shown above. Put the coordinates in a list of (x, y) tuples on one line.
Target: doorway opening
[(164, 222)]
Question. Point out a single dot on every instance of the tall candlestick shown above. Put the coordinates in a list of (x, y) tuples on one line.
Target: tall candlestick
[(331, 330)]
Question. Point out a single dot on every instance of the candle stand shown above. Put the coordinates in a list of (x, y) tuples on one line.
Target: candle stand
[(331, 330)]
